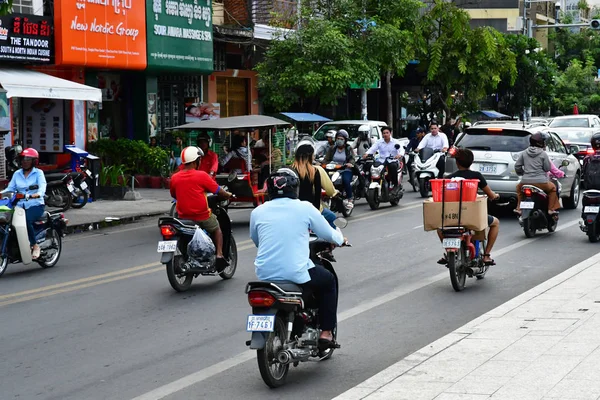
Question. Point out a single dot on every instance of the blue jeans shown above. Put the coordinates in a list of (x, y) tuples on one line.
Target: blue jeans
[(347, 182), (33, 214), (329, 216)]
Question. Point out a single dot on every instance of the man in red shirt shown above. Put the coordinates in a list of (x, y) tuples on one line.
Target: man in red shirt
[(189, 187), (210, 160)]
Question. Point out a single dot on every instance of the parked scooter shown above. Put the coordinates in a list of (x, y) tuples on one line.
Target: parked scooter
[(285, 321), (177, 234), (590, 215), (426, 169), (81, 192), (14, 240), (534, 210), (379, 188)]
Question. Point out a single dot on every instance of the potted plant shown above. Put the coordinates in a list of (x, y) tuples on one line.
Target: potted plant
[(157, 162), (112, 182)]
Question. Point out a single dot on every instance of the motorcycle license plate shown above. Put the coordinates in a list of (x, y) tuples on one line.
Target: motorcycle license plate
[(453, 243), (592, 209), (71, 187), (260, 323), (83, 185), (88, 173), (527, 205), (167, 246)]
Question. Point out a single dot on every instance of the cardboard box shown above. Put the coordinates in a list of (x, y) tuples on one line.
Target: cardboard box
[(473, 215)]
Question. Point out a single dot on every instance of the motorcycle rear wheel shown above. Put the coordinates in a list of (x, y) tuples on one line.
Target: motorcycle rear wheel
[(273, 372), (57, 245), (81, 198), (228, 272), (528, 228), (456, 266), (179, 283), (593, 235)]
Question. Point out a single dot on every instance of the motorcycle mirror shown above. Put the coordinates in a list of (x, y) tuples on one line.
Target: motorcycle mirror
[(397, 146), (341, 222), (34, 187), (565, 163)]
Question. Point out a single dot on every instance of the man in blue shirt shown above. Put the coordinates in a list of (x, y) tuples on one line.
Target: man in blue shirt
[(280, 230), (21, 180)]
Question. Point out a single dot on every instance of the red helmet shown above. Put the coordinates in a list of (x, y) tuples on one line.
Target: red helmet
[(30, 152)]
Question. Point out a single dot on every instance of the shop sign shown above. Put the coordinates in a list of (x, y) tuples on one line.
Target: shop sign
[(101, 33), (44, 129), (180, 35), (26, 39)]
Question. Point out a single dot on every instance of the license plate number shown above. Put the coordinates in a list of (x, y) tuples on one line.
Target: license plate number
[(83, 185), (592, 209), (488, 169), (453, 243), (260, 323), (70, 187), (88, 173), (527, 205), (167, 246)]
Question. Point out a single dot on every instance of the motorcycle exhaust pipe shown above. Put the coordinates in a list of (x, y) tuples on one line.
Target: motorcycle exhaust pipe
[(292, 355), (284, 357)]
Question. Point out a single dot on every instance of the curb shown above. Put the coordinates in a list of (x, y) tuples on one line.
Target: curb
[(113, 221)]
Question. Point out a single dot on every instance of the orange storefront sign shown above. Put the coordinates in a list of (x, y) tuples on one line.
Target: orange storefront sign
[(101, 33)]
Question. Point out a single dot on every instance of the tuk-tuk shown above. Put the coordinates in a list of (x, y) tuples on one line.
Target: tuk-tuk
[(234, 141)]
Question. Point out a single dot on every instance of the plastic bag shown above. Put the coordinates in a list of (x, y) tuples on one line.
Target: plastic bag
[(201, 251)]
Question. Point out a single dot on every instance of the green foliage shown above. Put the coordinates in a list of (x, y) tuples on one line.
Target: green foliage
[(113, 175), (131, 154), (576, 85), (576, 46), (6, 8), (157, 160)]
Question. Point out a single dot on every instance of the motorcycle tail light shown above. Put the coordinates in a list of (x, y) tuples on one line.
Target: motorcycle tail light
[(167, 231), (259, 298), (452, 151), (527, 192)]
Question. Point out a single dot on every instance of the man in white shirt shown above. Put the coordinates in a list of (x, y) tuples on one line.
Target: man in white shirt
[(437, 141), (388, 147)]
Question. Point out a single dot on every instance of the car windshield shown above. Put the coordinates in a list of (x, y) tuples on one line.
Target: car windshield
[(576, 136), (352, 130), (570, 123), (498, 140)]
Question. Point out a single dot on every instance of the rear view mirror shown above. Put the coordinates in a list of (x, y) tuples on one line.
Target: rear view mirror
[(341, 223), (574, 149), (565, 163), (397, 146)]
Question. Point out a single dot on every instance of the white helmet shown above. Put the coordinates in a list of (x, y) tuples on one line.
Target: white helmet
[(331, 133), (191, 154)]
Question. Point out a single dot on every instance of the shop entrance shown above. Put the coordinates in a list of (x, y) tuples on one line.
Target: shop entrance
[(232, 94)]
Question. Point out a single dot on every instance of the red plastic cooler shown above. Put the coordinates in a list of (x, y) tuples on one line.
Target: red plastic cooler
[(451, 187)]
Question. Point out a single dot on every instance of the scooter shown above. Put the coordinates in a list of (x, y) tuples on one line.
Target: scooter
[(426, 168), (590, 215), (340, 203), (178, 233), (379, 188), (14, 240), (534, 210)]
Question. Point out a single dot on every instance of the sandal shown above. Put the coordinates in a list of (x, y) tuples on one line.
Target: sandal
[(325, 344), (490, 262), (443, 260), (518, 212)]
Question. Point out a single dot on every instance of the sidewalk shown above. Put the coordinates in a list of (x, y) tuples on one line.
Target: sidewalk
[(543, 344), (103, 213)]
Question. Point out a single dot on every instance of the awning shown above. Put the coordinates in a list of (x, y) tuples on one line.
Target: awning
[(36, 85), (229, 123), (267, 32), (493, 114), (305, 117)]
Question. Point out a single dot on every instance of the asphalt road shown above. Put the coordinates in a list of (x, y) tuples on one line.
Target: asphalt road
[(105, 324)]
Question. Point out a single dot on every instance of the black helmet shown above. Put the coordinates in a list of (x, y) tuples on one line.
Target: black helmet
[(595, 142), (283, 183), (538, 139)]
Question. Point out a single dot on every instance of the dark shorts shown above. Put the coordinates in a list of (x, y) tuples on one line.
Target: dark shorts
[(490, 220)]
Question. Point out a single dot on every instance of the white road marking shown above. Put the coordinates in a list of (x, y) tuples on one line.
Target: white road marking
[(209, 372), (418, 226)]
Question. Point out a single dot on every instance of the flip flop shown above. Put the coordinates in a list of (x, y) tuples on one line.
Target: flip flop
[(490, 262), (221, 264), (325, 344)]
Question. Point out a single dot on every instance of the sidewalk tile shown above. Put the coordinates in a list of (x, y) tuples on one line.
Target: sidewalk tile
[(402, 389), (355, 393), (478, 385), (576, 389), (527, 348), (462, 396), (588, 369), (495, 368), (473, 349), (442, 371), (512, 335), (564, 348), (550, 324)]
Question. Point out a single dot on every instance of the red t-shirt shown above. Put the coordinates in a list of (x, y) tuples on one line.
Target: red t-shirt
[(208, 163), (189, 187)]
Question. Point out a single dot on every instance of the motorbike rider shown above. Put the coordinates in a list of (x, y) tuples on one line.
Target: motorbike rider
[(210, 160), (330, 136), (363, 142), (313, 179), (387, 148), (189, 187), (280, 230), (28, 175), (595, 143), (464, 159), (437, 141), (342, 154), (533, 165)]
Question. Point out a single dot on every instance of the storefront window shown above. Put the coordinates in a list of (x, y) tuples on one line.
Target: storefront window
[(112, 116), (173, 93)]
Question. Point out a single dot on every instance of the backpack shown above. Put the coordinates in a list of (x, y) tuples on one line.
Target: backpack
[(591, 175)]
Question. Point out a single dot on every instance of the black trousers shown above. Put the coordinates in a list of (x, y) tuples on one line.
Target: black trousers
[(322, 283), (392, 172), (441, 166)]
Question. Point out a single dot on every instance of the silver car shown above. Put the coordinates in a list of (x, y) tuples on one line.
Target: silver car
[(496, 149)]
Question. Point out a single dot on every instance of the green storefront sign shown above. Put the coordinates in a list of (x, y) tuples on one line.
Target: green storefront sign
[(180, 35)]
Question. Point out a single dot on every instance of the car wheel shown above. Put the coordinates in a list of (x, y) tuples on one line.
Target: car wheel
[(572, 201)]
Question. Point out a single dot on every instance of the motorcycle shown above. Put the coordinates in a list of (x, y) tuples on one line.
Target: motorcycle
[(465, 253), (534, 210), (409, 169), (590, 215), (340, 202), (284, 321), (81, 192), (49, 231), (426, 168), (177, 234), (379, 188)]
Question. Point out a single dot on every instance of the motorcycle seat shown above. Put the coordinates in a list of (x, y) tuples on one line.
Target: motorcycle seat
[(285, 287), (42, 220)]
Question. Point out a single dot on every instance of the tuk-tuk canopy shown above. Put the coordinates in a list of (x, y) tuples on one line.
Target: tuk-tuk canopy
[(305, 117), (249, 122)]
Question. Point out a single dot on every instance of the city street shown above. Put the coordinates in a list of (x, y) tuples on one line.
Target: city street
[(105, 323)]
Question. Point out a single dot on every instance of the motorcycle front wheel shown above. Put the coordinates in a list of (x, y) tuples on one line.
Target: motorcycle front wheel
[(272, 371), (179, 282), (423, 188), (373, 199), (456, 266)]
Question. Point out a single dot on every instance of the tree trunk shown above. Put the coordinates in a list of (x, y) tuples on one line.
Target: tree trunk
[(390, 104)]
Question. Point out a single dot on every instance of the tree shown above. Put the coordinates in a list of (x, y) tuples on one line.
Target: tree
[(535, 79), (576, 46), (576, 85), (459, 60)]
